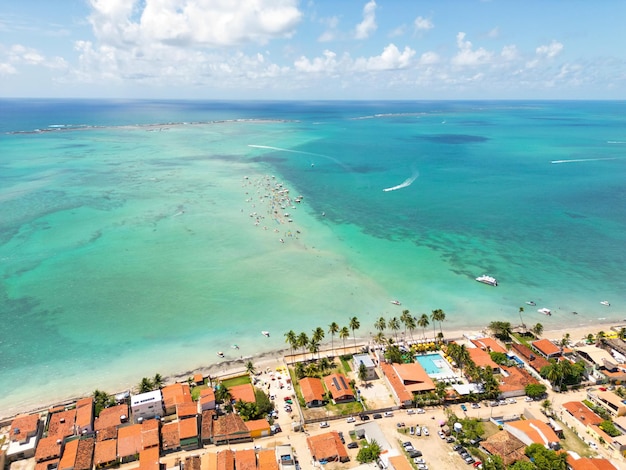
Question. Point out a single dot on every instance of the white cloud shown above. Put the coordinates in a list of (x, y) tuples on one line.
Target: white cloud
[(368, 25), (423, 24), (399, 31), (331, 32), (7, 69), (494, 33), (509, 53), (429, 58), (192, 22), (551, 50), (390, 59), (468, 56), (328, 63)]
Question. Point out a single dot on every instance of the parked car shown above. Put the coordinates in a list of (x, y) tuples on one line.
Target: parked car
[(364, 417), (388, 414), (464, 408), (406, 444), (422, 466), (410, 411), (324, 424), (418, 431), (377, 416), (341, 438), (503, 402), (412, 430), (441, 434), (511, 400), (415, 453), (420, 411), (418, 460), (400, 425), (493, 403), (352, 445), (450, 439), (457, 447), (469, 460), (528, 399), (350, 419), (475, 405), (425, 431)]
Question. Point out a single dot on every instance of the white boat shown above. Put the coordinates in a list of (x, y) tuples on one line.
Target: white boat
[(545, 311), (605, 303), (265, 333), (235, 346), (531, 303), (395, 302), (220, 354), (491, 281)]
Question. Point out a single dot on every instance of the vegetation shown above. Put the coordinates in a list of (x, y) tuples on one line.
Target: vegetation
[(501, 329), (438, 315), (257, 410), (604, 414), (535, 390), (369, 452), (362, 372), (608, 427), (101, 401), (537, 329), (354, 325), (500, 358), (471, 428), (393, 354), (148, 385), (563, 373), (543, 458), (239, 380)]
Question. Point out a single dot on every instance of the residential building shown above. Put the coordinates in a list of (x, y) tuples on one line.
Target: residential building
[(243, 392), (147, 405), (327, 447), (111, 418), (245, 459), (578, 417), (226, 460), (149, 459), (175, 394), (23, 435), (482, 358), (505, 445), (399, 462), (488, 344), (312, 391), (230, 428), (607, 400), (514, 380), (535, 361), (105, 453), (532, 431), (405, 380), (339, 387), (129, 442), (189, 433), (258, 428), (367, 361), (84, 415), (61, 423), (170, 437), (549, 350), (267, 460), (283, 454), (207, 399), (589, 464), (206, 426)]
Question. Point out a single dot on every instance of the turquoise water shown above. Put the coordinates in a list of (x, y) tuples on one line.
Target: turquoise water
[(431, 362), (129, 243)]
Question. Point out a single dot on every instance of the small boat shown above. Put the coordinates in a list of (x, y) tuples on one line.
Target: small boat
[(489, 280), (395, 302), (545, 311), (235, 346), (220, 354), (605, 303), (531, 303), (265, 333), (574, 313)]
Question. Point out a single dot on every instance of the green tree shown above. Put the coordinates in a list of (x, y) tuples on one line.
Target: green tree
[(501, 329), (292, 340), (393, 354), (369, 452), (362, 372), (423, 322), (354, 325), (535, 390), (263, 402), (440, 316), (318, 334), (222, 395), (405, 318), (101, 401), (493, 462), (546, 406), (410, 324), (380, 324), (303, 342), (250, 369), (157, 381), (521, 310), (379, 338), (333, 329), (546, 458), (499, 358), (145, 385), (344, 334), (608, 427), (394, 325), (314, 347), (538, 329)]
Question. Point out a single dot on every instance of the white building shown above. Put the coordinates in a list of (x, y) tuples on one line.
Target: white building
[(147, 405), (366, 359)]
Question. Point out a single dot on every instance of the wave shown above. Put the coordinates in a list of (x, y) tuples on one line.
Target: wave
[(615, 142), (583, 160), (407, 182), (267, 147)]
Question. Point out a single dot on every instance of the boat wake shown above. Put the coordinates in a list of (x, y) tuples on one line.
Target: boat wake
[(267, 147), (582, 160), (407, 182)]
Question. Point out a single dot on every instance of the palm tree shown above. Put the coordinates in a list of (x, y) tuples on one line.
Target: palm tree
[(317, 337), (145, 385), (303, 342), (423, 322), (333, 329), (157, 381), (250, 369), (433, 317), (343, 334), (538, 329), (292, 339), (314, 347), (379, 338), (394, 325), (405, 318), (521, 310), (380, 324), (354, 325), (565, 340), (410, 324), (438, 315)]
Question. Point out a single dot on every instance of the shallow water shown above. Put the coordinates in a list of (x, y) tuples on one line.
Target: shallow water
[(130, 249)]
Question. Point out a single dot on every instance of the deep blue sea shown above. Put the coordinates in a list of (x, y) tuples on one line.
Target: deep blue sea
[(143, 236)]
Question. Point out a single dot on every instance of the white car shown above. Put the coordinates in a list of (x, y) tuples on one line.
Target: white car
[(324, 424), (528, 399), (410, 411), (351, 419), (420, 411), (441, 434), (387, 414), (425, 431), (511, 400), (419, 460)]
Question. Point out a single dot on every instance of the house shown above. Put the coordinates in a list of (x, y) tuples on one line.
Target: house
[(147, 405), (61, 424), (23, 435), (339, 387), (482, 358), (367, 361), (149, 459), (284, 454), (78, 454), (188, 433), (226, 460), (405, 380), (170, 437), (327, 447), (111, 418), (245, 459), (267, 460), (488, 344), (399, 462), (186, 410), (207, 399), (192, 462), (549, 350), (49, 449), (505, 445), (175, 394), (105, 453), (532, 431), (312, 391), (206, 426), (243, 392), (607, 400), (198, 378), (514, 380), (537, 362), (229, 429), (150, 434), (258, 428), (84, 415), (69, 455), (129, 443), (578, 417), (589, 464)]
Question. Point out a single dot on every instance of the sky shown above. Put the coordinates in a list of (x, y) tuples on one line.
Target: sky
[(313, 49)]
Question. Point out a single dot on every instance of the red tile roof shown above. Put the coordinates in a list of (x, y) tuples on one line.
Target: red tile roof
[(62, 424), (258, 425), (245, 459), (535, 361), (176, 394), (243, 392), (339, 386), (226, 460), (170, 436), (535, 429), (187, 409), (583, 414), (517, 379), (546, 347), (84, 413), (589, 464), (327, 446), (69, 455), (506, 446), (105, 452), (267, 460), (488, 344), (481, 358), (149, 459), (414, 377), (150, 433), (129, 440), (400, 462), (84, 456), (48, 448), (24, 427), (312, 389), (188, 428), (229, 426), (207, 424), (111, 417)]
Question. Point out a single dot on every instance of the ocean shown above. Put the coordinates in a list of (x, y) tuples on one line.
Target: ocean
[(139, 237)]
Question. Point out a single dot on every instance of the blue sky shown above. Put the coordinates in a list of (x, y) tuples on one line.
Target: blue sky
[(313, 49)]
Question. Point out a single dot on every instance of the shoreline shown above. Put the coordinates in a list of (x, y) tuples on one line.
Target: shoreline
[(277, 357)]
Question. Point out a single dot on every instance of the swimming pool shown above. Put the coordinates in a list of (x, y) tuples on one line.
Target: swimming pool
[(435, 365)]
